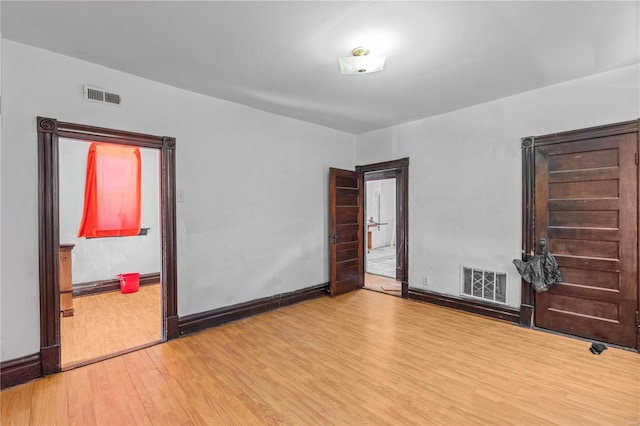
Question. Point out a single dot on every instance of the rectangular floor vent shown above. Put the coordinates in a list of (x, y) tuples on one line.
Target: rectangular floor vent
[(485, 285), (98, 95)]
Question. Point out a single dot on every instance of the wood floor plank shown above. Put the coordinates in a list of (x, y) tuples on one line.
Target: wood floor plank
[(382, 284), (161, 405), (15, 405), (108, 323), (360, 358), (196, 393), (49, 401), (116, 401), (258, 380), (81, 400)]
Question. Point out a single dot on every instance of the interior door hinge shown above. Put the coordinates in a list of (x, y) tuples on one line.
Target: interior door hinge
[(637, 319), (637, 158)]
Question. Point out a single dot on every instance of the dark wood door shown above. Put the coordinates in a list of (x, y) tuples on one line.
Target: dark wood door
[(346, 239), (586, 198)]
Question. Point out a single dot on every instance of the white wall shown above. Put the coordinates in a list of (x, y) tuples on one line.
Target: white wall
[(465, 172), (254, 221), (1, 119), (103, 258)]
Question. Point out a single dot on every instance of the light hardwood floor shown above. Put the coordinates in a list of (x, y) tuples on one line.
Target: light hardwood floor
[(382, 284), (360, 358), (108, 323)]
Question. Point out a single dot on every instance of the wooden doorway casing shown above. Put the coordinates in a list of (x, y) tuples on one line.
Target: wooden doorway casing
[(49, 130), (398, 169), (529, 220)]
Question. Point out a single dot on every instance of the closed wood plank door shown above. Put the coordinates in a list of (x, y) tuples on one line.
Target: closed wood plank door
[(586, 198), (346, 231)]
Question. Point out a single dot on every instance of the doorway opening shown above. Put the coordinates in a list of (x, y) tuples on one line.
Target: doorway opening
[(98, 318), (50, 131), (380, 254), (385, 226)]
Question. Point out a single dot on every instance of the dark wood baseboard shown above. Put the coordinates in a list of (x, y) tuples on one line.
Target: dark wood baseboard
[(201, 321), (505, 313), (103, 286), (49, 359), (526, 315), (20, 370), (172, 327)]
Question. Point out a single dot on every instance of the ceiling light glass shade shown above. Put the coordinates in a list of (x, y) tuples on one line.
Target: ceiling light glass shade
[(361, 64)]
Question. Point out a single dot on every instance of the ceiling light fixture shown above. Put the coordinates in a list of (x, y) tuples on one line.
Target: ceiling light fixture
[(361, 62)]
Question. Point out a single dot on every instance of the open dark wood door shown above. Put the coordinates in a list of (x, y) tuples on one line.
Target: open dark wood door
[(346, 231), (586, 198)]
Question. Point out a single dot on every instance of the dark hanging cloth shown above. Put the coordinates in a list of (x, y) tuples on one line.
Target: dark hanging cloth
[(541, 271)]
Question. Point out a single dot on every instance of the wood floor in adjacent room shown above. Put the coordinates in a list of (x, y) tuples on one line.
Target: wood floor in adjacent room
[(108, 323), (382, 284), (360, 358)]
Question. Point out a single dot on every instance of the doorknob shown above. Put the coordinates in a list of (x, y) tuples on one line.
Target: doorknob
[(543, 244)]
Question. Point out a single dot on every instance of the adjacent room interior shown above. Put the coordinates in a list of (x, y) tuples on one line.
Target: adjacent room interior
[(380, 254), (100, 317)]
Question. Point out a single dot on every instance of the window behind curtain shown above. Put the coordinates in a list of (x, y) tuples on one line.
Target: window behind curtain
[(111, 192)]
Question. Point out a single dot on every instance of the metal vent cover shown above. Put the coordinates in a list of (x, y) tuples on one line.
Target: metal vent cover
[(112, 98), (95, 94), (483, 284)]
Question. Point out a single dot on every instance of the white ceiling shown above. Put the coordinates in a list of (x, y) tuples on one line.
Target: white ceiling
[(282, 56)]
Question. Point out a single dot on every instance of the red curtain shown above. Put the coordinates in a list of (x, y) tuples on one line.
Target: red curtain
[(111, 192)]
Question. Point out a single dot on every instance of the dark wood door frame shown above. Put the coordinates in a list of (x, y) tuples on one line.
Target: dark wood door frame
[(527, 306), (49, 130), (400, 170)]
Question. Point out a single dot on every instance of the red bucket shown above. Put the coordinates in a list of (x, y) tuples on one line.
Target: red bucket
[(129, 283)]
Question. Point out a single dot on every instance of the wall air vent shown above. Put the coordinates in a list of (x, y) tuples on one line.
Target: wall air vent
[(487, 285), (94, 94), (112, 98)]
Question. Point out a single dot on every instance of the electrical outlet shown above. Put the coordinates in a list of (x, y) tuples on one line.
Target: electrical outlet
[(180, 196), (425, 281)]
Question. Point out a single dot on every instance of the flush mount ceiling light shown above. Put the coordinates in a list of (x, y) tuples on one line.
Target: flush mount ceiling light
[(361, 62)]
